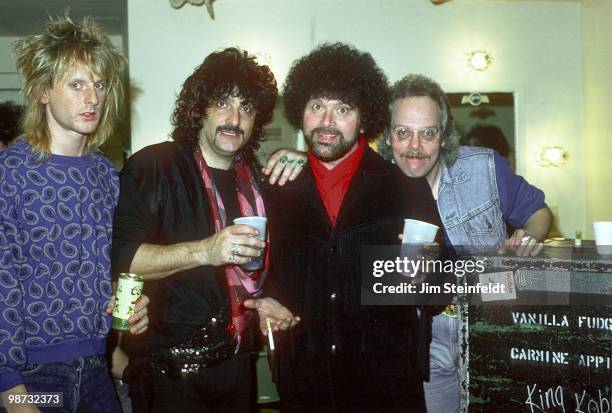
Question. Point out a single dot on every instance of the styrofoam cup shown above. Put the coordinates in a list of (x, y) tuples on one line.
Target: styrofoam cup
[(259, 223), (419, 232), (603, 236)]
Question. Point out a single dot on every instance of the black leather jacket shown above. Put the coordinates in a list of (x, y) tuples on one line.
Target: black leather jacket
[(344, 356), (163, 201)]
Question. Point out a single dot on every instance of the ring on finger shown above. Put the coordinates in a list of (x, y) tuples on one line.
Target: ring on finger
[(232, 258), (234, 250), (283, 160), (298, 163)]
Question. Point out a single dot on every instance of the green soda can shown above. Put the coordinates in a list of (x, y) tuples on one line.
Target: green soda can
[(129, 290)]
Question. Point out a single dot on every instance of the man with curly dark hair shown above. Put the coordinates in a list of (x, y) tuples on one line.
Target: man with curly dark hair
[(343, 356), (173, 227)]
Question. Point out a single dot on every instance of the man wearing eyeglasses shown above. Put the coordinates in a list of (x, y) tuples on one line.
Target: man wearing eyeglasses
[(423, 142), (477, 194)]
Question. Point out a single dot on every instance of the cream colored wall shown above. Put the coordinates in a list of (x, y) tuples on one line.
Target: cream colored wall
[(597, 82), (535, 45)]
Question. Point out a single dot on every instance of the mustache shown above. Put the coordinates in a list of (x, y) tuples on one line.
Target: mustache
[(228, 128), (415, 154), (325, 130)]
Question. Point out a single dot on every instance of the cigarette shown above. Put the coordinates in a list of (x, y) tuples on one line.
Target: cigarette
[(270, 337)]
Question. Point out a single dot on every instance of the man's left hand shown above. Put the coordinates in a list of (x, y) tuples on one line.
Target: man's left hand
[(268, 308), (284, 165), (522, 244), (139, 321)]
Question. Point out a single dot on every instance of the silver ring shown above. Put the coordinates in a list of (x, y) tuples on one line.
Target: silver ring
[(298, 163), (235, 250), (232, 259), (283, 160)]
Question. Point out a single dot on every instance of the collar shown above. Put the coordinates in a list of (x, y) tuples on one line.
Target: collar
[(458, 176)]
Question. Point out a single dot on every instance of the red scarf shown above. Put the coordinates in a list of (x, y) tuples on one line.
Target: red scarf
[(242, 285), (333, 183)]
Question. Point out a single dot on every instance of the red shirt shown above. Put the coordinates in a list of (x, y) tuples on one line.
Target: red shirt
[(333, 183)]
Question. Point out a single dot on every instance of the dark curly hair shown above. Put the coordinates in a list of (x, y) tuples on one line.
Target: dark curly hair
[(339, 71), (219, 76)]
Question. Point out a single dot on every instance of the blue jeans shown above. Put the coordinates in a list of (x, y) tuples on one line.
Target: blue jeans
[(442, 390), (123, 392), (84, 381)]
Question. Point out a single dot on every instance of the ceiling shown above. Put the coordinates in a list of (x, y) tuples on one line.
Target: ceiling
[(23, 17)]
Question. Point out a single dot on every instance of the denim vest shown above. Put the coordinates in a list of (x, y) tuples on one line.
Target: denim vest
[(468, 201)]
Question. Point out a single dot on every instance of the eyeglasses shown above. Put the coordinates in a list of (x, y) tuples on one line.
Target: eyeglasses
[(403, 134)]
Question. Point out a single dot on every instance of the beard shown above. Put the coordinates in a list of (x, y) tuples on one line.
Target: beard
[(329, 151)]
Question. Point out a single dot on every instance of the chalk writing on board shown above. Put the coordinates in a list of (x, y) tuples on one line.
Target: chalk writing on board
[(558, 398), (560, 357), (562, 320)]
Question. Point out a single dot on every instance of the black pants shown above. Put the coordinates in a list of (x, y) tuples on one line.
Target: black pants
[(224, 388)]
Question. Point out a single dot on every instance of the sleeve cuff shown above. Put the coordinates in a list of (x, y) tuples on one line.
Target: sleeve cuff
[(122, 258), (10, 379)]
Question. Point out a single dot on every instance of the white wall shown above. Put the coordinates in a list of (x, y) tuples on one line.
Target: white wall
[(597, 58), (535, 45)]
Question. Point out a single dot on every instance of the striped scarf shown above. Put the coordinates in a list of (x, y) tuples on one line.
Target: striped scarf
[(242, 285)]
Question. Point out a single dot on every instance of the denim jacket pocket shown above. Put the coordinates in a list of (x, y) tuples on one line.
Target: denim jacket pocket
[(484, 225)]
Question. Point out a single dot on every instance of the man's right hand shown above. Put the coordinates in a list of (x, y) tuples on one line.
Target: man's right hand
[(234, 245), (20, 390), (521, 244)]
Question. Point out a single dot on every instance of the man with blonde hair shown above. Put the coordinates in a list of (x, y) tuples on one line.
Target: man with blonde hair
[(57, 201)]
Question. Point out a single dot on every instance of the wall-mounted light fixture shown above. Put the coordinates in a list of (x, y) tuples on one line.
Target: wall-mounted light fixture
[(553, 156), (474, 99), (478, 60)]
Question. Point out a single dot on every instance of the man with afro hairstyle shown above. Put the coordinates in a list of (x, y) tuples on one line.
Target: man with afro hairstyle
[(344, 356)]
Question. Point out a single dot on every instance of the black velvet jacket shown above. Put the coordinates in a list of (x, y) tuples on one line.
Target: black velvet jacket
[(344, 356), (163, 201)]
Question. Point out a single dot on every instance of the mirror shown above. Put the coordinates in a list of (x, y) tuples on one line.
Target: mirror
[(487, 120)]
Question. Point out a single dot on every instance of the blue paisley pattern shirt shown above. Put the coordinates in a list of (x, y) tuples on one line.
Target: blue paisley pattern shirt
[(56, 219)]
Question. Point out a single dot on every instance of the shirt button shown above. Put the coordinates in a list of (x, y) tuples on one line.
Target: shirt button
[(333, 296)]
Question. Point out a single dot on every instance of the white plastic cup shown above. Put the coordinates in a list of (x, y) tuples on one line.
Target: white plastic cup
[(419, 232), (603, 237), (416, 232), (259, 223)]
